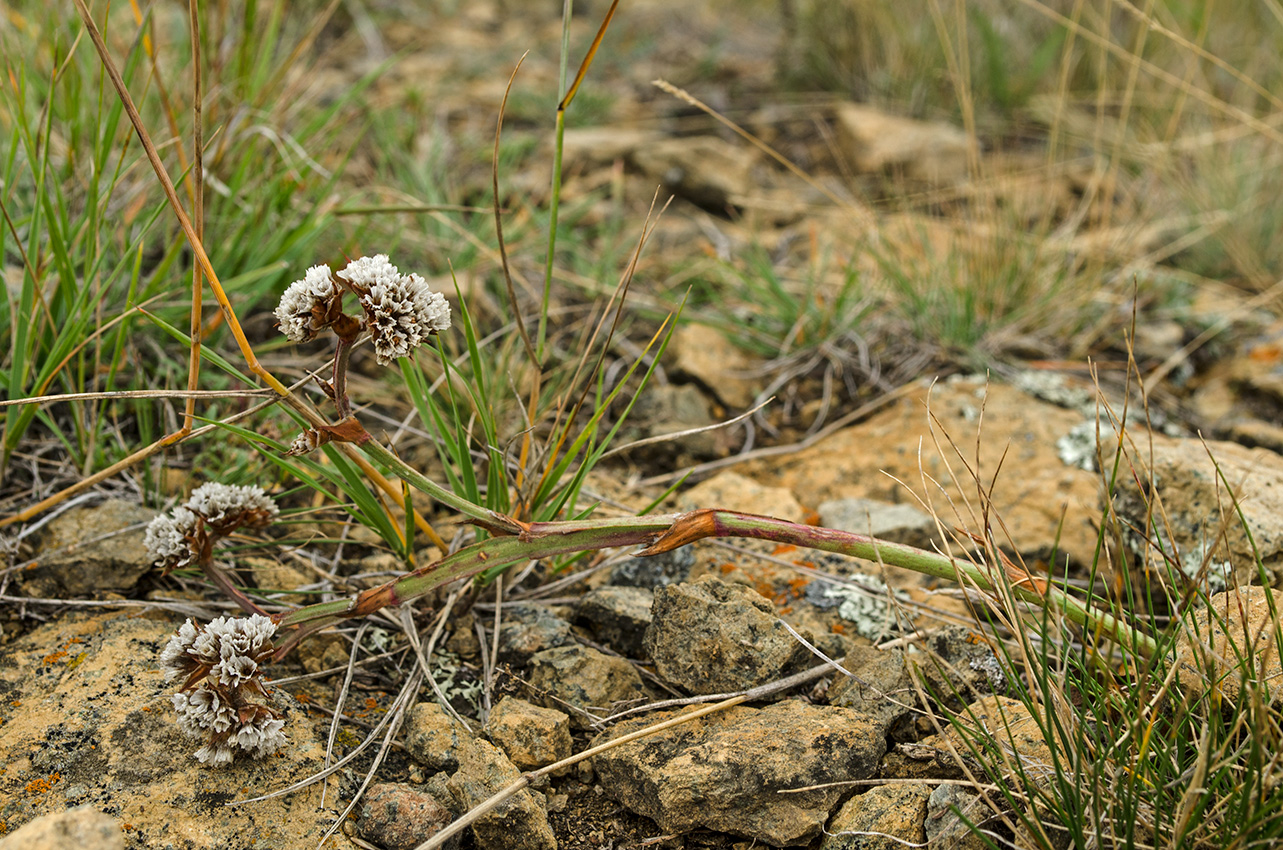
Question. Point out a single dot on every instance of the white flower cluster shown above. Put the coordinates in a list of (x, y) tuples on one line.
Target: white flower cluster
[(175, 539), (223, 504), (400, 310), (222, 698), (305, 308)]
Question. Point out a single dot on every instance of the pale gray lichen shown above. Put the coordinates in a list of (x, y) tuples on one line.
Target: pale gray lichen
[(867, 603), (307, 305), (222, 699), (401, 311)]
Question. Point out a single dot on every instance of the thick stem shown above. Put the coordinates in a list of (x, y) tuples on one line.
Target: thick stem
[(664, 533)]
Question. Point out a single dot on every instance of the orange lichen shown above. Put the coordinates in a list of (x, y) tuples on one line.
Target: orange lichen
[(838, 628), (40, 786), (55, 657), (783, 549)]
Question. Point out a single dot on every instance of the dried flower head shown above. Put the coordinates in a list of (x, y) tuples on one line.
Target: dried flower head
[(309, 305), (222, 699), (401, 312), (184, 535)]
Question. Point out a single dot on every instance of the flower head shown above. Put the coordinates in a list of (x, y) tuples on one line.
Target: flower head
[(401, 312), (309, 305), (177, 539), (222, 699)]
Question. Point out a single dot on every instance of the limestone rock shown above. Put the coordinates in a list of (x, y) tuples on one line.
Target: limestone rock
[(528, 629), (90, 550), (88, 720), (1234, 624), (397, 816), (705, 170), (617, 616), (1200, 523), (704, 354), (1032, 492), (740, 493), (887, 817), (882, 688), (530, 735), (710, 636), (724, 772), (876, 141), (82, 828), (654, 570), (519, 823), (1004, 731), (434, 738), (944, 826), (584, 678), (900, 523)]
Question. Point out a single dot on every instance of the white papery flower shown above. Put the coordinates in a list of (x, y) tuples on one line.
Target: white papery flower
[(304, 310), (168, 539), (223, 504), (224, 704), (401, 311)]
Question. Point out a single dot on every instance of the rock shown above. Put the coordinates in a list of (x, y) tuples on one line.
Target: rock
[(434, 738), (1033, 491), (710, 636), (584, 678), (1199, 520), (81, 828), (740, 493), (271, 575), (884, 520), (960, 665), (887, 817), (1003, 731), (875, 141), (1233, 625), (670, 409), (88, 551), (947, 805), (704, 354), (327, 651), (704, 170), (724, 772), (531, 736), (881, 690), (597, 146), (617, 616), (654, 570), (518, 823), (88, 720), (529, 629), (397, 816)]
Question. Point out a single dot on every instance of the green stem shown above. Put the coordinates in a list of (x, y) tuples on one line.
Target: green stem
[(664, 533), (490, 520)]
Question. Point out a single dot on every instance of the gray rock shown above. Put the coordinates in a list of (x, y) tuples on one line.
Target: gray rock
[(617, 616), (434, 738), (82, 828), (583, 678), (887, 817), (960, 666), (884, 520), (1199, 523), (882, 689), (670, 409), (944, 824), (724, 772), (397, 816), (654, 571), (709, 636), (518, 823), (528, 629), (530, 735), (86, 551)]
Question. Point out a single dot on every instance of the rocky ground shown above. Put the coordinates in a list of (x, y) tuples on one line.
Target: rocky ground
[(856, 753)]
